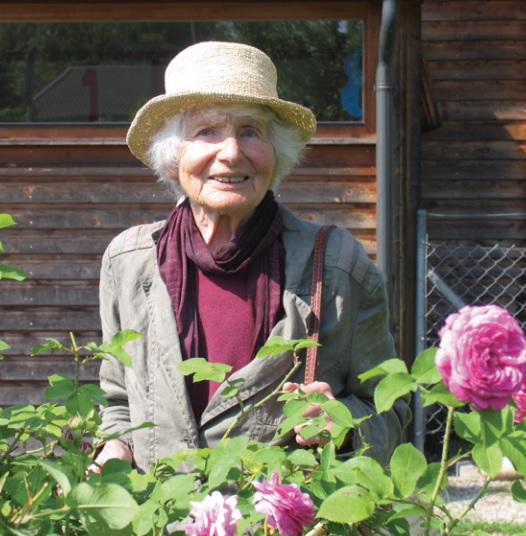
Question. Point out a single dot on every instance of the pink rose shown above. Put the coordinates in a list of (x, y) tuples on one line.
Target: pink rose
[(288, 510), (482, 356), (215, 516), (520, 399)]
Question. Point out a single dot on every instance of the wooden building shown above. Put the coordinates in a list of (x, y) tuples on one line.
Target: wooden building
[(458, 145)]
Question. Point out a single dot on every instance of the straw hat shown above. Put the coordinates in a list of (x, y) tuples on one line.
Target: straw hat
[(215, 72)]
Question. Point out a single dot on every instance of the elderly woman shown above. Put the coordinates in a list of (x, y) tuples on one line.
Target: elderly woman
[(229, 268)]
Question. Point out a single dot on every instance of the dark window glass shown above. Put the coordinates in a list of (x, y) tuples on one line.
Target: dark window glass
[(104, 72)]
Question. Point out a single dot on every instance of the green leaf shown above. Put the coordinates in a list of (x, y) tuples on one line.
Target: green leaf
[(271, 458), (204, 370), (339, 413), (427, 482), (314, 427), (391, 366), (6, 220), (488, 457), (287, 425), (116, 351), (295, 407), (350, 504), (518, 491), (3, 346), (10, 272), (51, 344), (366, 472), (513, 447), (80, 404), (94, 393), (103, 509), (61, 387), (403, 511), (114, 465), (408, 464), (302, 458), (115, 347), (229, 391), (467, 425), (494, 424), (440, 394), (274, 346), (178, 488), (122, 337), (223, 458), (143, 521), (64, 478), (300, 344), (392, 387), (424, 370)]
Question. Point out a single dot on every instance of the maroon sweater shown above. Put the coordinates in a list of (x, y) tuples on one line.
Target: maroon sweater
[(226, 327)]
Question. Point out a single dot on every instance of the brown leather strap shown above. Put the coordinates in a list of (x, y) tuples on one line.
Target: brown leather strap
[(316, 299)]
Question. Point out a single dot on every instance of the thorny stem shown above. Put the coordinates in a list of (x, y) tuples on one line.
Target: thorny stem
[(240, 417), (443, 466), (23, 512), (12, 447), (44, 448), (453, 523), (75, 351)]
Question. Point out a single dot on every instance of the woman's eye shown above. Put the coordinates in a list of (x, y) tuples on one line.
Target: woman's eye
[(250, 132), (204, 132)]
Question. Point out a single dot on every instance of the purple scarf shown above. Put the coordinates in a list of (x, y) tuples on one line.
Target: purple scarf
[(257, 247)]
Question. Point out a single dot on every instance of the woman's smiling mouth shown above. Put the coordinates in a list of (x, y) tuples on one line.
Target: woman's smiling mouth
[(230, 180)]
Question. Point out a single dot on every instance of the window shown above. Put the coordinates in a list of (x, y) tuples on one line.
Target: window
[(103, 72)]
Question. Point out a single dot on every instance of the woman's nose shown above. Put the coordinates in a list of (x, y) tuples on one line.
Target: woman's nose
[(230, 149)]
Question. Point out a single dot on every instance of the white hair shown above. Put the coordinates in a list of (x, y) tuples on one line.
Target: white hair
[(286, 139)]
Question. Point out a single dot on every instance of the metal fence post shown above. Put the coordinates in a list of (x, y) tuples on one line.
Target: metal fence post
[(420, 328)]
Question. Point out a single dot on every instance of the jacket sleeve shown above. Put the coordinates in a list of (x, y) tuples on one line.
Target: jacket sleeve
[(116, 415), (366, 341)]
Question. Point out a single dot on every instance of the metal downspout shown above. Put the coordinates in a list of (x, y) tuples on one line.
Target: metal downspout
[(384, 140)]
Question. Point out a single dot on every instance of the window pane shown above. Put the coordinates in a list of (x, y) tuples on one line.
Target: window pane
[(104, 72)]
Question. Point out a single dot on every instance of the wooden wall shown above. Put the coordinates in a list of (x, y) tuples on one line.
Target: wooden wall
[(70, 196), (474, 164), (71, 189)]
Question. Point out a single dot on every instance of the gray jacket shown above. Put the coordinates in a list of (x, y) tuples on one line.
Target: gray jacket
[(354, 337)]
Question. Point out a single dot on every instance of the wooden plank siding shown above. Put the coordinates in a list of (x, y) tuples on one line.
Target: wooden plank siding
[(72, 188), (70, 198), (474, 164)]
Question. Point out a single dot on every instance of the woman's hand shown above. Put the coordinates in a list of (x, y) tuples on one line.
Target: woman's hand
[(314, 410), (113, 449)]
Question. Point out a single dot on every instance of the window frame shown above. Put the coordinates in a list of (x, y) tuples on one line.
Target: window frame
[(235, 10)]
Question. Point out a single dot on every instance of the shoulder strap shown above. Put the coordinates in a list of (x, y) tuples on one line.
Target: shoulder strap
[(316, 300)]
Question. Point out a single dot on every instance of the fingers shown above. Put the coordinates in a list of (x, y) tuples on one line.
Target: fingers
[(114, 449), (290, 387), (314, 410), (314, 387)]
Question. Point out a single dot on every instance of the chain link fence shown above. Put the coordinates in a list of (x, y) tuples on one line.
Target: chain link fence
[(452, 275)]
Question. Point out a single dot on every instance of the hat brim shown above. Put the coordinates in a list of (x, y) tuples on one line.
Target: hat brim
[(158, 111)]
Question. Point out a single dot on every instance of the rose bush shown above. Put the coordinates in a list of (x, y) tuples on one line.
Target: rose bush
[(46, 453)]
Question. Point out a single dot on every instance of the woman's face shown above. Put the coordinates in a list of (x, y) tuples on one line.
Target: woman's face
[(226, 162)]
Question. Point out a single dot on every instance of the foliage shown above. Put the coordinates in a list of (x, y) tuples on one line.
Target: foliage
[(6, 271), (49, 488), (48, 484)]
